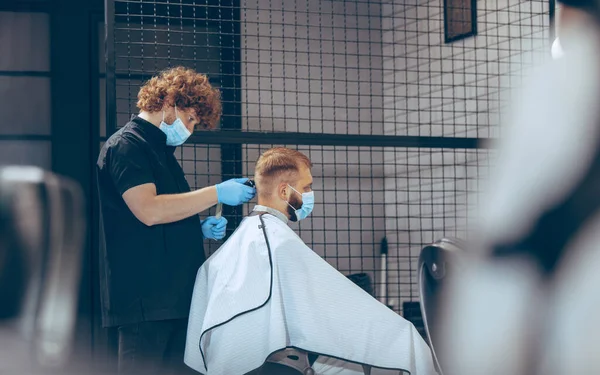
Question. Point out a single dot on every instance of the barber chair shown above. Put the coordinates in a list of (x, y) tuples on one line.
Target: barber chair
[(295, 359), (438, 262), (300, 361), (42, 232)]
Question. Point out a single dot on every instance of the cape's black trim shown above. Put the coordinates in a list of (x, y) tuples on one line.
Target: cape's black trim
[(262, 226)]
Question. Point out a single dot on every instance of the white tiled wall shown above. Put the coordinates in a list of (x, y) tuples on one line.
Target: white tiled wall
[(457, 89), (312, 66), (451, 90)]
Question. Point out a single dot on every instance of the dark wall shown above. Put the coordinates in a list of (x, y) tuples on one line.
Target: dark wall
[(73, 132)]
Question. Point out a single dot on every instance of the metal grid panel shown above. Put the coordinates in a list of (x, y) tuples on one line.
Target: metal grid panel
[(377, 70), (148, 36), (411, 196), (429, 194)]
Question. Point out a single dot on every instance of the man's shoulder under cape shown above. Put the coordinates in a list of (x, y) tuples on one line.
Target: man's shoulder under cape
[(265, 290)]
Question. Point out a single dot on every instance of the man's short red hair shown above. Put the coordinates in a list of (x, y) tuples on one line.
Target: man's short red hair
[(279, 164), (184, 88)]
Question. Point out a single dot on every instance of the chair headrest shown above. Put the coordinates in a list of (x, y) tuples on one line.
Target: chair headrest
[(436, 256)]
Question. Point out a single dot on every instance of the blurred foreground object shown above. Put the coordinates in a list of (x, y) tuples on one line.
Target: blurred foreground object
[(42, 230), (526, 303)]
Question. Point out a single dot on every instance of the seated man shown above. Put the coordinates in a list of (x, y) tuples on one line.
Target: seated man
[(264, 290)]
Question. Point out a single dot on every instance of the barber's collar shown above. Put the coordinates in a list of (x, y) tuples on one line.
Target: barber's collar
[(272, 211), (152, 134)]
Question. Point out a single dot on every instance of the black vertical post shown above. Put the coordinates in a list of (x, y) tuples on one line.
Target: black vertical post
[(110, 61), (231, 83), (71, 129), (103, 339), (551, 14)]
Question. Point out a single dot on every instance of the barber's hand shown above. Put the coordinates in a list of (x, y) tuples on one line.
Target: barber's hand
[(213, 228), (233, 192)]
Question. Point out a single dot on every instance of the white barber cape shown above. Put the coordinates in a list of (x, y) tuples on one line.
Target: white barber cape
[(254, 297)]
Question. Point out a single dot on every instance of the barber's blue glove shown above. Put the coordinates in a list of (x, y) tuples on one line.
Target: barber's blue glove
[(213, 228), (233, 192)]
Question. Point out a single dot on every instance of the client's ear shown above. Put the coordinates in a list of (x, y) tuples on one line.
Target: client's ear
[(283, 191)]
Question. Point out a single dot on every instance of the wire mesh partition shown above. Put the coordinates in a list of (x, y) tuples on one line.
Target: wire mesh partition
[(434, 190), (391, 115)]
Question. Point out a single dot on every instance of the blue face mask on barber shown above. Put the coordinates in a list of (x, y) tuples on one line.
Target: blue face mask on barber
[(308, 203), (176, 133)]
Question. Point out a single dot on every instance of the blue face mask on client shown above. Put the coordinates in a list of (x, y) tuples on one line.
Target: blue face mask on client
[(176, 133), (308, 203)]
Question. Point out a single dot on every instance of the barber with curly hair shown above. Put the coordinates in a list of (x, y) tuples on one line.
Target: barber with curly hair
[(153, 236)]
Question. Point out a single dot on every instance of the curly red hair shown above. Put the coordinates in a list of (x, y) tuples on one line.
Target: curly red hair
[(184, 88)]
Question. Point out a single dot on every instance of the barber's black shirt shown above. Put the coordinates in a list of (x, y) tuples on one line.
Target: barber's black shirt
[(146, 273)]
